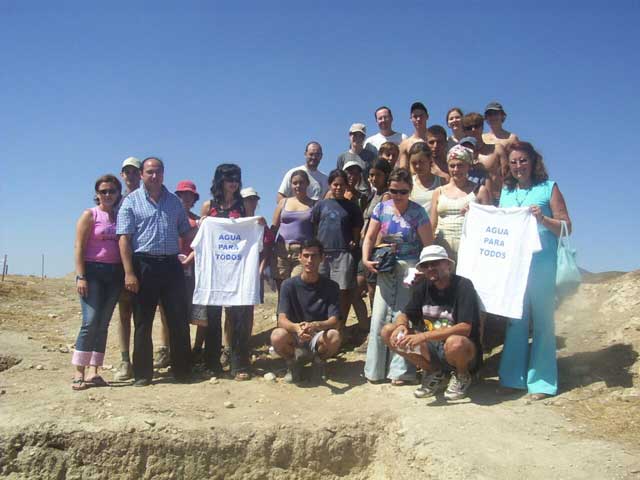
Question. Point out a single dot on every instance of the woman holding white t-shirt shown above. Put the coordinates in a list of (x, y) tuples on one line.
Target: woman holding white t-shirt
[(523, 366), (450, 203), (226, 202)]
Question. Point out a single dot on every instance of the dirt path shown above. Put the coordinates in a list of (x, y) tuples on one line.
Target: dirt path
[(348, 429)]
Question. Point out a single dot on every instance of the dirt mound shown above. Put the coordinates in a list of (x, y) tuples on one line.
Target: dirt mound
[(344, 429), (218, 454)]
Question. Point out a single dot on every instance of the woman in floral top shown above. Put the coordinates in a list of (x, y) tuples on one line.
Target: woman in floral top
[(404, 226)]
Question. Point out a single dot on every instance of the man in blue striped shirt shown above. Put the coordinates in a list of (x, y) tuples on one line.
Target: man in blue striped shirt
[(150, 221)]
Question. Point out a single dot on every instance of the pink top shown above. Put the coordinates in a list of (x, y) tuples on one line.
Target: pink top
[(102, 244)]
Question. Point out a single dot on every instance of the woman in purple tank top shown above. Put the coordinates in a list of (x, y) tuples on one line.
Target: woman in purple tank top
[(292, 226), (99, 280)]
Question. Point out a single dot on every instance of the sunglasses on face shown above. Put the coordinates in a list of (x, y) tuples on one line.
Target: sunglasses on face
[(402, 191), (232, 179), (109, 191), (523, 161), (472, 127)]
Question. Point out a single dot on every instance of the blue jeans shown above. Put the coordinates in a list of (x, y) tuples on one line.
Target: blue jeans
[(104, 284), (391, 297)]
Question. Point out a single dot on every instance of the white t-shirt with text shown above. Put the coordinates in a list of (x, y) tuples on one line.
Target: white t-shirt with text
[(227, 256), (495, 253)]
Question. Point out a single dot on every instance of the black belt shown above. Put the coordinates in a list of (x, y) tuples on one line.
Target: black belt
[(158, 258)]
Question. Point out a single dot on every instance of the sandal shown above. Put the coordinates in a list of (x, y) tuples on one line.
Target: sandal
[(79, 384), (242, 376), (398, 383), (536, 397), (97, 381)]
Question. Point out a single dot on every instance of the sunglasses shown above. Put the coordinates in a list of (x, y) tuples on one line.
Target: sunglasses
[(523, 161), (232, 179), (472, 127), (109, 191), (403, 191)]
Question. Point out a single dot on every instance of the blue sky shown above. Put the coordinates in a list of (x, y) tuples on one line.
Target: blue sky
[(83, 85)]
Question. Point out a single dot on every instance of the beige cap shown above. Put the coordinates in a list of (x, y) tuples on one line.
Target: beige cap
[(132, 161), (249, 192), (358, 127)]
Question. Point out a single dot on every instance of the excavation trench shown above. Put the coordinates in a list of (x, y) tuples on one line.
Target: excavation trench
[(286, 452)]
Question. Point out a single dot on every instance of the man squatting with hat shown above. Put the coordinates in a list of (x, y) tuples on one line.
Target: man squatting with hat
[(438, 330)]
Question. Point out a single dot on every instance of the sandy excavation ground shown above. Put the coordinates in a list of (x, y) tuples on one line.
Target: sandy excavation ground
[(345, 429)]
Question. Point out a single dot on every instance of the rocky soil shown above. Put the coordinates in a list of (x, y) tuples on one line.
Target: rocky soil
[(219, 428)]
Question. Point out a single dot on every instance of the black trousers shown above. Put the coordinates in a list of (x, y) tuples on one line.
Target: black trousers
[(240, 321), (160, 279)]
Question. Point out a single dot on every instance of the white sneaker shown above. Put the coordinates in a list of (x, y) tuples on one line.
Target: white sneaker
[(430, 384), (458, 385)]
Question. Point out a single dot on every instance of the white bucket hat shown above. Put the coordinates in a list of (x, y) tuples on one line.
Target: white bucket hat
[(433, 253)]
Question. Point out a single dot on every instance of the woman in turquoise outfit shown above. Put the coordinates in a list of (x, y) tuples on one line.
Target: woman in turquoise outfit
[(523, 366)]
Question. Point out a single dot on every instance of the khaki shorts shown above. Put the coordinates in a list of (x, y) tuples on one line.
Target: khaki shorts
[(287, 260)]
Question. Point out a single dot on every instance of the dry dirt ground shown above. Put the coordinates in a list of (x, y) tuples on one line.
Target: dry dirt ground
[(345, 429)]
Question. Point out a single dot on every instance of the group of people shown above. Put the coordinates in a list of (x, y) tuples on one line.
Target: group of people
[(385, 224)]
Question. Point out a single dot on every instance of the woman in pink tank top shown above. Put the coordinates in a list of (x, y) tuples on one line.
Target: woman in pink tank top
[(99, 280)]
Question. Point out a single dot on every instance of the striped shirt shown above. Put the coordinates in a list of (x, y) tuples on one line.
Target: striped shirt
[(154, 227)]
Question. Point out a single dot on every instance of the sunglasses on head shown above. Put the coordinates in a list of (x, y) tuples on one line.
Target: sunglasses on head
[(401, 191), (468, 128)]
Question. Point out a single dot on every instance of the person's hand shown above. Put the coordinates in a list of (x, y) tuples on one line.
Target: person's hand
[(418, 277), (411, 341), (83, 287), (464, 210), (131, 282), (400, 330), (371, 266), (303, 331), (262, 221), (536, 212)]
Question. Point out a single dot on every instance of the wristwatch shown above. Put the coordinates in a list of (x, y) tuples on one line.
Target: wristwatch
[(80, 277)]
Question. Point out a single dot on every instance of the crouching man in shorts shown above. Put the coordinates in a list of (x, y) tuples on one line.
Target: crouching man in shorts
[(438, 330), (308, 314)]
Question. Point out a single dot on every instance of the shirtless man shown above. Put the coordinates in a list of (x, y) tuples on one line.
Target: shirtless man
[(418, 116), (437, 141), (384, 119), (495, 116), (492, 157)]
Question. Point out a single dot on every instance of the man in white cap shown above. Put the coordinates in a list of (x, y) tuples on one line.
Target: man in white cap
[(357, 153), (438, 330), (130, 174)]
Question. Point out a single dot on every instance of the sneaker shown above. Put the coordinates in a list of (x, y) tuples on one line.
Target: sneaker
[(318, 370), (458, 385), (225, 357), (294, 369), (161, 359), (430, 384), (363, 347), (303, 356), (124, 372)]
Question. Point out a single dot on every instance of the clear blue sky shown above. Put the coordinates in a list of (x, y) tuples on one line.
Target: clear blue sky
[(85, 84)]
